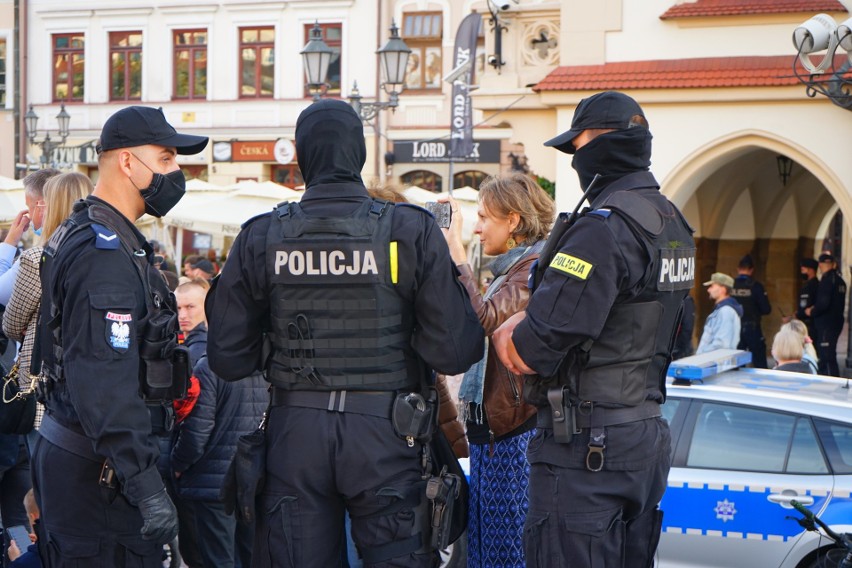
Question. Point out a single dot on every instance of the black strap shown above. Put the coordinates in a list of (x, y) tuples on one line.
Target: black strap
[(377, 403), (67, 439), (608, 416)]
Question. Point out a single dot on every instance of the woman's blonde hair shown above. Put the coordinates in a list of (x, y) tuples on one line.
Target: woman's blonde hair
[(797, 326), (787, 346), (60, 194), (515, 192)]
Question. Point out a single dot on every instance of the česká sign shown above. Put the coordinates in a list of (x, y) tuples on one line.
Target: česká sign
[(417, 151)]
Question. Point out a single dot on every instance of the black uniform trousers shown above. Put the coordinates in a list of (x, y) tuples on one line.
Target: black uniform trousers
[(826, 345), (318, 463), (752, 339), (606, 519), (14, 484), (85, 525)]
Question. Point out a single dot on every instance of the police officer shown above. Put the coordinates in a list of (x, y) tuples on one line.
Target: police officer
[(827, 313), (751, 295), (358, 300), (807, 295), (597, 339), (107, 331)]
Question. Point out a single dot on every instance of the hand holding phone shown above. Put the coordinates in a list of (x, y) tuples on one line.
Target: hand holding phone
[(20, 535), (441, 211)]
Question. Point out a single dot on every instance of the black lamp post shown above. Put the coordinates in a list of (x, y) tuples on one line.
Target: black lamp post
[(818, 34), (47, 145), (394, 60)]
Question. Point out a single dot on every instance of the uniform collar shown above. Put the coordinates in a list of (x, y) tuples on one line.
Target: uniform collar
[(635, 180), (141, 242), (334, 191)]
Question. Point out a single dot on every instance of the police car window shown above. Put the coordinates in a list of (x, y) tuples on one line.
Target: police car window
[(740, 438), (669, 409), (805, 455), (837, 439)]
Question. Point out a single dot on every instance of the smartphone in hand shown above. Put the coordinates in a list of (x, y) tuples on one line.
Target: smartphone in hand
[(20, 535), (441, 211)]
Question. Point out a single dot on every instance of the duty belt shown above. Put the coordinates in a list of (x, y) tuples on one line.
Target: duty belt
[(371, 403), (567, 418), (78, 444)]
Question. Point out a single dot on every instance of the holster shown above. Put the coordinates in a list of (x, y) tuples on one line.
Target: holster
[(442, 491), (246, 476), (414, 417)]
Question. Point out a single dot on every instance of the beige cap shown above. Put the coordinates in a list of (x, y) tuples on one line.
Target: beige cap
[(720, 278)]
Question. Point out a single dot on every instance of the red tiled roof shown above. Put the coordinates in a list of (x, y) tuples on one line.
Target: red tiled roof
[(706, 72), (743, 7)]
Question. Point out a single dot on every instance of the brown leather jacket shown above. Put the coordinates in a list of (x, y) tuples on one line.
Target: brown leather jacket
[(503, 394)]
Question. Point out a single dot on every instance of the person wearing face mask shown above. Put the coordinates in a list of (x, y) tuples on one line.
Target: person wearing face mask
[(32, 217), (596, 341), (111, 362)]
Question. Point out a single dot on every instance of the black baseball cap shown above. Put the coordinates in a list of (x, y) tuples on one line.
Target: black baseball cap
[(809, 263), (138, 125), (205, 265), (609, 109), (826, 258)]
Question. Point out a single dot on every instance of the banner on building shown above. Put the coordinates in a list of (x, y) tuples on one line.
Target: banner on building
[(461, 130)]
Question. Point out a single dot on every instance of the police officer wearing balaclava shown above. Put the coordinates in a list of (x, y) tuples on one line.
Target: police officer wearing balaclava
[(358, 300), (596, 339), (107, 333)]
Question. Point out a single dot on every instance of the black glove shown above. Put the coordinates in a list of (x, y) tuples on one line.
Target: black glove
[(159, 518)]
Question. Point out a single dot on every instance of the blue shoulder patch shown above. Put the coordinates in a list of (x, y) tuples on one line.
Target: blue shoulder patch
[(603, 213), (105, 238)]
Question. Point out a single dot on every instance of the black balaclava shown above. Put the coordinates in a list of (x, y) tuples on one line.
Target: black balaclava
[(330, 143), (612, 155)]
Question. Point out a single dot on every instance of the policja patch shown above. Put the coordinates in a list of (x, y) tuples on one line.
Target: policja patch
[(677, 269), (572, 266), (117, 330)]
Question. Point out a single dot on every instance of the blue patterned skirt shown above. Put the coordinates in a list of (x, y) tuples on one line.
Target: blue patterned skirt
[(498, 503)]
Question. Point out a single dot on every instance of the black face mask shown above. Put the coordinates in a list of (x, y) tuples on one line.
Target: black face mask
[(805, 277), (163, 192), (612, 155)]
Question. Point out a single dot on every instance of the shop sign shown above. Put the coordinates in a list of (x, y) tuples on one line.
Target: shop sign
[(419, 151), (254, 151)]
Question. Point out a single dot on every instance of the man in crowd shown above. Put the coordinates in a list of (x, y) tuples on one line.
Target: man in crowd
[(107, 333), (33, 217), (751, 295), (351, 336), (808, 293), (828, 314), (722, 326), (596, 340)]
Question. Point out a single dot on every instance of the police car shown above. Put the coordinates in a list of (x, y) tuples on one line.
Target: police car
[(745, 442)]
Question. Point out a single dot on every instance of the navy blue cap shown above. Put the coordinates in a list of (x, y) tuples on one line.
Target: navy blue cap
[(826, 257), (609, 109), (137, 126), (809, 263)]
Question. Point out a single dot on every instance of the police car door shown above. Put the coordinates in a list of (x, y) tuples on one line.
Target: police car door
[(735, 469)]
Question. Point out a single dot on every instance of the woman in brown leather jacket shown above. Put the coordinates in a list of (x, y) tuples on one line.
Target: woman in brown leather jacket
[(514, 217)]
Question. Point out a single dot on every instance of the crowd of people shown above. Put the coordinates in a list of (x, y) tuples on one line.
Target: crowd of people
[(270, 409)]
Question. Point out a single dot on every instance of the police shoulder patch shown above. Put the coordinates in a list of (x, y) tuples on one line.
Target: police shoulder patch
[(572, 266), (105, 238), (604, 213)]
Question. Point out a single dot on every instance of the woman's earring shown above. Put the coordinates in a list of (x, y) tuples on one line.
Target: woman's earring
[(510, 243)]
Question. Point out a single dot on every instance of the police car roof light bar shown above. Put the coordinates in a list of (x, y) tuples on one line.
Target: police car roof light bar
[(699, 367)]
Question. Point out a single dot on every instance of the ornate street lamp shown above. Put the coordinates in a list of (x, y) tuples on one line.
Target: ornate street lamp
[(316, 57), (818, 34), (47, 145), (394, 60)]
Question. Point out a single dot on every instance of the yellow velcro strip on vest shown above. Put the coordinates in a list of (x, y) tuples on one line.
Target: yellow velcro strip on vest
[(394, 263), (572, 266)]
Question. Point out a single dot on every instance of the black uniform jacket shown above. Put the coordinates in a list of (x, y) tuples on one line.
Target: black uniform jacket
[(103, 301), (448, 336), (564, 312)]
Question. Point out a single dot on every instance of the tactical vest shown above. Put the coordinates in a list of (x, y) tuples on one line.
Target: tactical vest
[(336, 317), (627, 363), (164, 366), (742, 293)]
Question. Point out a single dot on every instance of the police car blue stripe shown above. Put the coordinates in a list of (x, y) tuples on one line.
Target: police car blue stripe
[(740, 512)]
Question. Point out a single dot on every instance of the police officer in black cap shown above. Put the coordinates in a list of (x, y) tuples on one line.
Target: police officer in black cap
[(596, 339), (807, 295), (828, 315), (358, 300), (751, 295), (112, 364)]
